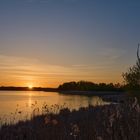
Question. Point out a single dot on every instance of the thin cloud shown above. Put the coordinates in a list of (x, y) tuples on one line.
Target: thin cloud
[(27, 70), (19, 65)]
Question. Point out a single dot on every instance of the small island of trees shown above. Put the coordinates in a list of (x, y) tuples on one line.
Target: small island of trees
[(90, 86)]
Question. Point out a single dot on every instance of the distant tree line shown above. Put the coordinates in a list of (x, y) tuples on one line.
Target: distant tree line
[(12, 88), (90, 86)]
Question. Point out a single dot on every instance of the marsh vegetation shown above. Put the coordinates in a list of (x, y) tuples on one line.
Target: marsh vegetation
[(108, 122)]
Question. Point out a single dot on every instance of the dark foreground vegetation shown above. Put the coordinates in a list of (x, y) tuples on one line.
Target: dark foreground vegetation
[(109, 122)]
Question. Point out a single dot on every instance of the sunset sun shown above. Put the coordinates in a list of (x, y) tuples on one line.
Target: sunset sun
[(30, 86)]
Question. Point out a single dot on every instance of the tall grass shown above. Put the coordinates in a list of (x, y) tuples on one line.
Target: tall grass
[(109, 122)]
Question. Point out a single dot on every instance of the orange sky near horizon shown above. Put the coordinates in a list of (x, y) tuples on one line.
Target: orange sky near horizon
[(18, 71)]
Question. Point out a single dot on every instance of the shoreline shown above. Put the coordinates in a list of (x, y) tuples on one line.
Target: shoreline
[(70, 92), (93, 93)]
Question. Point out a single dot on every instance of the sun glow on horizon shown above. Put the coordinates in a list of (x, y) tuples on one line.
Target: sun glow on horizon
[(30, 86)]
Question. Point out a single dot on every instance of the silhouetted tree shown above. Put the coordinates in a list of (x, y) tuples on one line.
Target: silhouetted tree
[(132, 76)]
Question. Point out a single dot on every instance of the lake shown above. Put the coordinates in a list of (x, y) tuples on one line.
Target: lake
[(19, 105)]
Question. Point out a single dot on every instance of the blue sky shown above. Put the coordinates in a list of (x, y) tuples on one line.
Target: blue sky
[(47, 42)]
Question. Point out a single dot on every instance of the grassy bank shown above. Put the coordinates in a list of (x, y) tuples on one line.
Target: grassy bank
[(110, 122)]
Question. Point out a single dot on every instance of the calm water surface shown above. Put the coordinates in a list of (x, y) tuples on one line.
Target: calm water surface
[(19, 105)]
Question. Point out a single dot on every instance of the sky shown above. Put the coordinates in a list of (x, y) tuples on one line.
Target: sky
[(48, 42)]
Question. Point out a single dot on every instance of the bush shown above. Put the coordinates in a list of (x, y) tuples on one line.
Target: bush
[(132, 77)]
